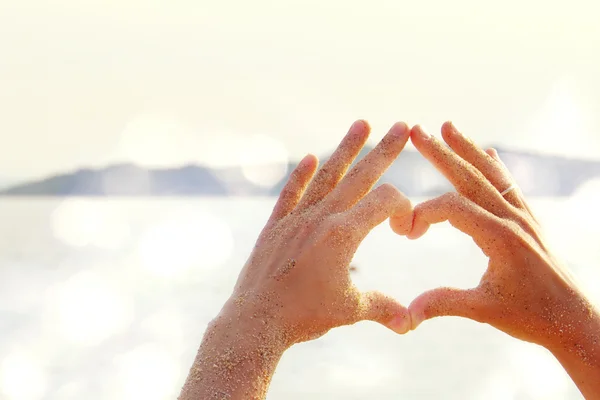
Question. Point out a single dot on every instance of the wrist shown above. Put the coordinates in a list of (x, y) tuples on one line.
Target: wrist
[(237, 358), (577, 335), (250, 326)]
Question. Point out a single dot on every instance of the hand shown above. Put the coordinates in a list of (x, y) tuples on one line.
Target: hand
[(525, 291), (296, 284), (298, 274)]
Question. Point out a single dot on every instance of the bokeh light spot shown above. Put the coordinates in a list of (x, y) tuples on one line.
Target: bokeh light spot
[(264, 160), (561, 112), (184, 240), (83, 222), (166, 326), (88, 309), (148, 372)]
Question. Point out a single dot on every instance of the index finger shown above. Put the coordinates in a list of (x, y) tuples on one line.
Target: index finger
[(376, 207), (486, 229)]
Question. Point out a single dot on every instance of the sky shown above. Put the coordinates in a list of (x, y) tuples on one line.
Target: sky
[(161, 83)]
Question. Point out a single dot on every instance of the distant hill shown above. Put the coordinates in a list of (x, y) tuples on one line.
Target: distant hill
[(538, 175), (4, 183)]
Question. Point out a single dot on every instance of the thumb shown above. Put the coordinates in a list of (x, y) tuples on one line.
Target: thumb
[(376, 306), (446, 302)]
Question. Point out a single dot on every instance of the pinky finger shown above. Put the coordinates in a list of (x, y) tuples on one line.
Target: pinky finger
[(515, 197), (294, 188)]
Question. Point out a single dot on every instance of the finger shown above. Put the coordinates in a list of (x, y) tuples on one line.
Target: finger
[(402, 223), (515, 197), (486, 164), (447, 302), (334, 169), (375, 306), (367, 172), (488, 231), (376, 207), (467, 180), (294, 188)]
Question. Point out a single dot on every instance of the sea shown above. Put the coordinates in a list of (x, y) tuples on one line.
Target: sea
[(109, 298)]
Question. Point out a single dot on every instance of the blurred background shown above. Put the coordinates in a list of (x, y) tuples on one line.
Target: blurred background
[(143, 144)]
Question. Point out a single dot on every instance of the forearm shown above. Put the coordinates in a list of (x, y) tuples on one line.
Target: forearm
[(236, 359), (579, 354)]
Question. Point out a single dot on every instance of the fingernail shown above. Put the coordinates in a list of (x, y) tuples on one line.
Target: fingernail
[(306, 161), (400, 323), (399, 129), (359, 124)]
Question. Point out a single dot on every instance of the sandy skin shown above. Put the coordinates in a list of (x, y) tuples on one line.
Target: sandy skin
[(296, 284), (525, 291)]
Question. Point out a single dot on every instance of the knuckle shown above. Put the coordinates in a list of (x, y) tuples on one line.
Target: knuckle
[(339, 228), (508, 232), (469, 190), (388, 192), (452, 197), (452, 200)]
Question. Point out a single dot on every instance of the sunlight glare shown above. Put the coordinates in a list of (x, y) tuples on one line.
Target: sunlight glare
[(264, 160), (185, 240), (498, 386), (83, 222), (583, 217), (530, 178), (166, 326), (89, 309), (363, 372), (148, 372), (74, 390), (22, 378), (560, 115), (541, 375), (585, 206), (156, 141)]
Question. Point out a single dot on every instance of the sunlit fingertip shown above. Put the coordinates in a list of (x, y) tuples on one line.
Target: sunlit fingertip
[(417, 132), (493, 153), (449, 132), (400, 129), (310, 161), (419, 228), (414, 236), (401, 224), (360, 126), (401, 323), (389, 188), (448, 127)]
